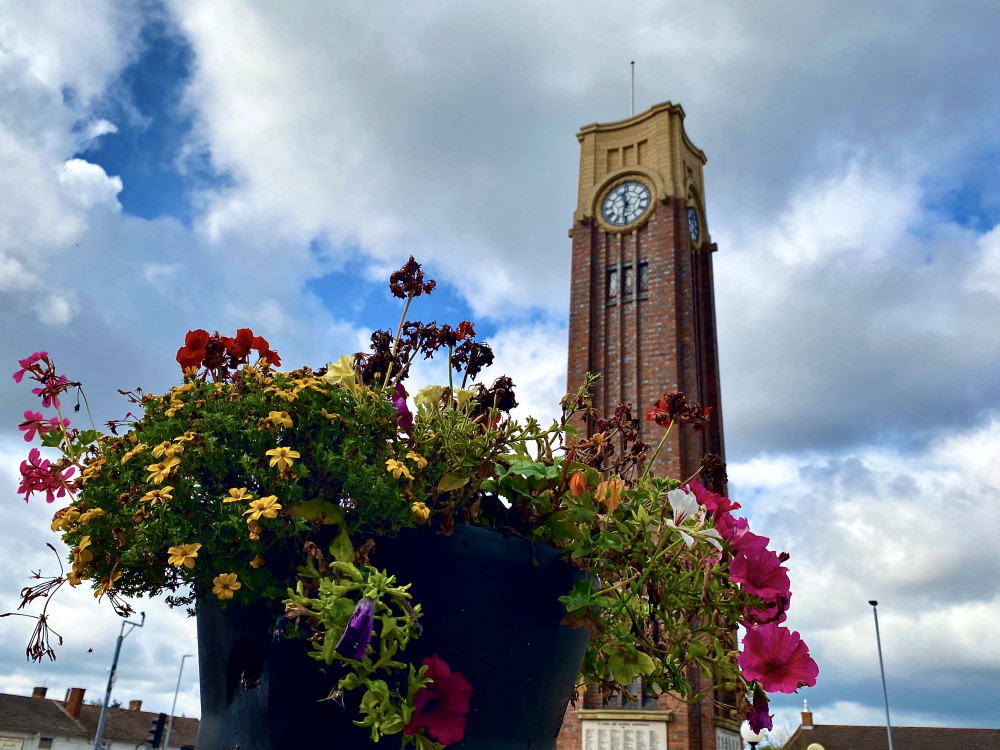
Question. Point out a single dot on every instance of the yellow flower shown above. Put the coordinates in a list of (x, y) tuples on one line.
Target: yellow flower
[(183, 554), (74, 577), (159, 472), (108, 582), (397, 469), (187, 437), (64, 517), (429, 397), (266, 507), (134, 452), (257, 562), (166, 448), (419, 460), (224, 584), (421, 511), (279, 419), (89, 515), (162, 495), (282, 457), (237, 495), (463, 396), (81, 554), (341, 372)]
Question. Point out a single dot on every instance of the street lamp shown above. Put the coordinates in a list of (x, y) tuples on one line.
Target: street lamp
[(751, 736), (170, 721), (885, 694)]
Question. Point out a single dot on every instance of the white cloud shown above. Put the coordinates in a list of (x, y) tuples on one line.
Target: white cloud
[(88, 184)]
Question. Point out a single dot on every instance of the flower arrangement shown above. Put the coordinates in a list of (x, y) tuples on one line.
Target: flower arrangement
[(250, 484)]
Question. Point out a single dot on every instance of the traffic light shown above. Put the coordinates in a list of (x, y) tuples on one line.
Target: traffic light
[(156, 731)]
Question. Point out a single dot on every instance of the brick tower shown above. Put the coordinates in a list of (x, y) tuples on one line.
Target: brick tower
[(642, 314)]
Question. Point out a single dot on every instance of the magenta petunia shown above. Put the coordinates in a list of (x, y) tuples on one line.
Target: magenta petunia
[(441, 706), (759, 571), (777, 658), (713, 502), (405, 416), (759, 717)]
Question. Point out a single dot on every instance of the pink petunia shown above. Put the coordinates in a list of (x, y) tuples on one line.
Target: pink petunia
[(713, 502), (440, 708), (759, 571), (777, 658)]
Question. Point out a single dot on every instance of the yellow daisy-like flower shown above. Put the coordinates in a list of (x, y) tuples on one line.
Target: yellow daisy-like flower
[(159, 472), (89, 515), (397, 469), (108, 582), (237, 495), (168, 449), (65, 517), (421, 511), (183, 554), (134, 452), (282, 458), (81, 553), (187, 437), (419, 460), (279, 419), (74, 577), (224, 584), (257, 562), (159, 495), (266, 507)]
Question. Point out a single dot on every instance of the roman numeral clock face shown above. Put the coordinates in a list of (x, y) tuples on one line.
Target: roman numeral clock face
[(625, 204)]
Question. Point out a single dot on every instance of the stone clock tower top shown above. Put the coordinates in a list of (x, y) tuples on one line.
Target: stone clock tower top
[(652, 144)]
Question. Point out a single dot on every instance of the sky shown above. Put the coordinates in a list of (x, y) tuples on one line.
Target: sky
[(167, 165)]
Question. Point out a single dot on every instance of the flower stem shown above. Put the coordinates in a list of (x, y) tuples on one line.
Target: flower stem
[(399, 332), (659, 447)]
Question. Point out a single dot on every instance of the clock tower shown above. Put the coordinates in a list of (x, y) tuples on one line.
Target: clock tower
[(642, 314), (642, 307)]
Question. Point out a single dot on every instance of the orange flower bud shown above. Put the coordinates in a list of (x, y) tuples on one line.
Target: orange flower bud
[(578, 483), (609, 493)]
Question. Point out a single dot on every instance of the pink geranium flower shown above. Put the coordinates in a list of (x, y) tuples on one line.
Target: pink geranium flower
[(777, 658), (27, 364), (34, 422), (38, 475), (759, 571)]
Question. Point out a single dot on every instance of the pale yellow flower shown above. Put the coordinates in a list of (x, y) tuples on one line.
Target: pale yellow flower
[(341, 372), (282, 457), (183, 554), (237, 495), (419, 460), (397, 469), (429, 397), (463, 396), (224, 584)]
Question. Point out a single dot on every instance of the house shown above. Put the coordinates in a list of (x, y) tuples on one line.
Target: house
[(811, 736), (38, 722)]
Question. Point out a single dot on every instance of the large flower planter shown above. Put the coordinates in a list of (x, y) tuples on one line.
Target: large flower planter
[(490, 611)]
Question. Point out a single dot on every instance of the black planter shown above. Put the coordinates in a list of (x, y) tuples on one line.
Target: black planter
[(489, 610)]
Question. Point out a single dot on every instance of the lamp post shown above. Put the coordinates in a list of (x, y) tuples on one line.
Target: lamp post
[(751, 736), (881, 666), (112, 675), (170, 721)]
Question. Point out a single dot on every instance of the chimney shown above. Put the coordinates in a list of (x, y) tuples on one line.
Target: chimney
[(807, 717), (75, 702), (39, 692), (135, 705)]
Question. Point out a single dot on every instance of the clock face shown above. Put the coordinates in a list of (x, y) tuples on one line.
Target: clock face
[(625, 203), (693, 225)]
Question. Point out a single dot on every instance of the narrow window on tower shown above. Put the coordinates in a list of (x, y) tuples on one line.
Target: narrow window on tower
[(628, 281), (643, 278), (612, 285)]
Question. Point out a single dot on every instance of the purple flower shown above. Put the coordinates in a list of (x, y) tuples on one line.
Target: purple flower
[(399, 401), (354, 642)]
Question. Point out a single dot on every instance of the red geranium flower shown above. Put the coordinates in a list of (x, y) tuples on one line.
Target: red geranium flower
[(777, 658), (240, 346), (441, 706), (193, 351), (264, 351)]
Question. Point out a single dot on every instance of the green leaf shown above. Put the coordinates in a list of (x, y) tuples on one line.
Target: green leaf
[(626, 664), (341, 547), (87, 437), (451, 482), (318, 510)]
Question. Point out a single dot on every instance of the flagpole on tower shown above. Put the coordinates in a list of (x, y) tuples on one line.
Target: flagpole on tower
[(631, 104)]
